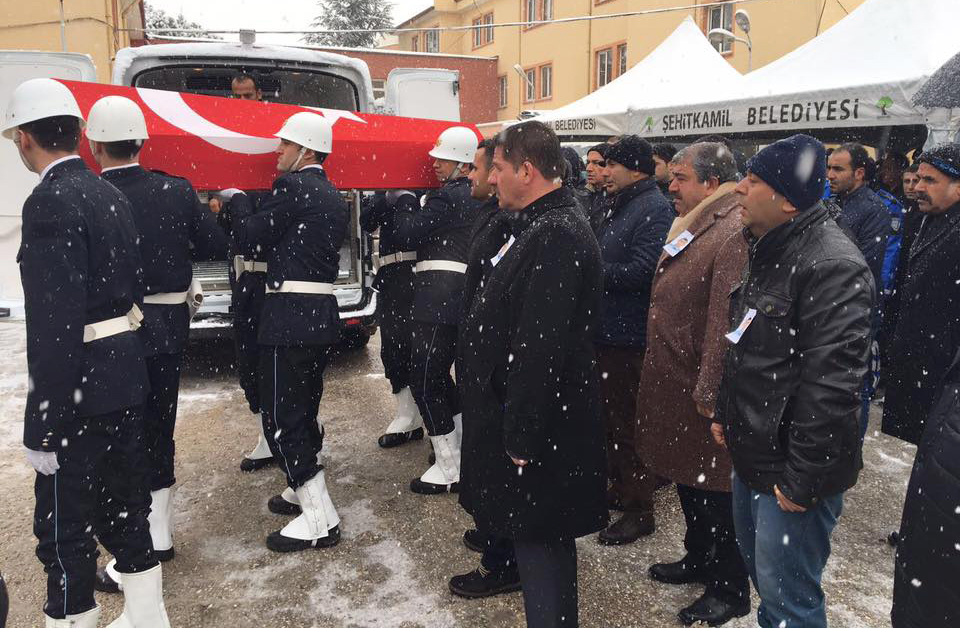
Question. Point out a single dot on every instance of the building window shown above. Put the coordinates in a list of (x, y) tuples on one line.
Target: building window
[(604, 66), (415, 43), (482, 35), (547, 10), (432, 40), (502, 80), (531, 85), (531, 10), (546, 81), (721, 17), (379, 88), (621, 59)]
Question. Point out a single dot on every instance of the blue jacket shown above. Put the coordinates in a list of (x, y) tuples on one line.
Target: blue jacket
[(631, 239), (865, 215), (892, 253)]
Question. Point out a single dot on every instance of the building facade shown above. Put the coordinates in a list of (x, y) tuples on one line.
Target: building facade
[(545, 66), (94, 27)]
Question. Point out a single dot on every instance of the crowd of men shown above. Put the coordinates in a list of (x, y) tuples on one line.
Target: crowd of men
[(655, 317)]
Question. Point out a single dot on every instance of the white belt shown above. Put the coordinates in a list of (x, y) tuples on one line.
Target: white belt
[(405, 256), (113, 326), (241, 266), (303, 287), (167, 298), (437, 264)]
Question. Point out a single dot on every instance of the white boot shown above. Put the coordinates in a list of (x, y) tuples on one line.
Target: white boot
[(458, 427), (80, 620), (444, 475), (111, 578), (142, 601), (160, 520), (261, 456), (317, 525), (286, 503), (407, 426)]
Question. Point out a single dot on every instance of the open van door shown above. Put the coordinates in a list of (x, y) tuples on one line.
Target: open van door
[(17, 182), (423, 93)]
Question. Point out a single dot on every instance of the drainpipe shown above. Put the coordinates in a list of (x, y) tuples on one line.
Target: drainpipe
[(63, 29)]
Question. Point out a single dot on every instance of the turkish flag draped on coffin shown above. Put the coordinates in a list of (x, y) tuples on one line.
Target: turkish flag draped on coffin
[(219, 143)]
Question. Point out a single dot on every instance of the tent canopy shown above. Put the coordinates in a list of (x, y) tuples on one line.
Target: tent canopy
[(682, 68)]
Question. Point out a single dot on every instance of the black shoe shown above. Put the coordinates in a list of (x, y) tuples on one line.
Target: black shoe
[(684, 571), (279, 506), (399, 438), (426, 488), (630, 527), (475, 540), (276, 542), (104, 583), (712, 611), (482, 583), (613, 501), (893, 538), (164, 556), (248, 464)]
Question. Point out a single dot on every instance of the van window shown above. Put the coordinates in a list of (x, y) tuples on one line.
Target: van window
[(288, 86)]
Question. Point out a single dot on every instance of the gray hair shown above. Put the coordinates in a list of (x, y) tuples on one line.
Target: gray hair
[(709, 160)]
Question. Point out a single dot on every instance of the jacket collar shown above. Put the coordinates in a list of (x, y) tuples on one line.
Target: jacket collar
[(634, 190), (64, 164), (121, 172), (860, 191), (561, 197), (692, 219), (951, 216), (774, 242)]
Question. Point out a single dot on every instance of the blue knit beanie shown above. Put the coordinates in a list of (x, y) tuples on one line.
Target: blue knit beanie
[(795, 168)]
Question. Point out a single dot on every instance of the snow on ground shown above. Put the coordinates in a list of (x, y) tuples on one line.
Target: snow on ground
[(398, 549)]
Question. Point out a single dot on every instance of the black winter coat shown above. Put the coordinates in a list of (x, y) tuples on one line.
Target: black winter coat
[(79, 264), (174, 229), (631, 240), (927, 569), (301, 225), (528, 381), (439, 230), (927, 332), (790, 396), (868, 219)]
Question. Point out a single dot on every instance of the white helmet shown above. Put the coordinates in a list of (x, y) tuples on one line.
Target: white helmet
[(37, 99), (115, 119), (458, 143), (310, 130)]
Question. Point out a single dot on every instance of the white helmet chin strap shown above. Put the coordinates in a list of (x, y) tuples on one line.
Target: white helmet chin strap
[(456, 170), (303, 151)]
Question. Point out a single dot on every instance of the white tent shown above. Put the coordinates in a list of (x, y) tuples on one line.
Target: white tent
[(684, 68), (862, 72)]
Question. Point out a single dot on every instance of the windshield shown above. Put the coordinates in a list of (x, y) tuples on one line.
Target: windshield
[(288, 86)]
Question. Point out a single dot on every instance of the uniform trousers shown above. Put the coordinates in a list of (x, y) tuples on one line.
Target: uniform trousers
[(711, 542), (631, 481), (548, 576), (160, 416), (246, 324), (291, 386), (434, 349), (396, 299), (102, 490), (4, 603)]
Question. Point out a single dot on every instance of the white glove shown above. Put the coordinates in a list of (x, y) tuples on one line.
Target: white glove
[(229, 192), (45, 462), (394, 195)]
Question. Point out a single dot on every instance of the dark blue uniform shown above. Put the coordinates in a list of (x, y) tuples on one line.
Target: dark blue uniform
[(438, 231), (301, 227), (174, 227), (80, 265)]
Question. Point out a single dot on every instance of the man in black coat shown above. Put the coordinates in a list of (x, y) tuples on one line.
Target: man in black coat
[(394, 285), (925, 592), (598, 201), (174, 227), (927, 331), (789, 400), (439, 231), (301, 225), (534, 464), (631, 238), (83, 428)]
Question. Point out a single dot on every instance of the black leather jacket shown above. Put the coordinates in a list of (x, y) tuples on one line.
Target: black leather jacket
[(790, 398)]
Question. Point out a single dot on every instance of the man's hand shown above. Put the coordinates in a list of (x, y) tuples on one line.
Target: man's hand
[(215, 205), (785, 504), (45, 462), (704, 411), (717, 430)]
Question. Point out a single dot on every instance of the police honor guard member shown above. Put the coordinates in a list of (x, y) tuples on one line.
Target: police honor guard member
[(83, 428), (301, 225), (394, 282), (170, 220), (440, 233)]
